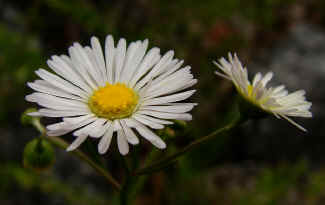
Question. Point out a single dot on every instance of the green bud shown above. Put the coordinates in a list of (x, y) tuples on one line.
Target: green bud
[(38, 155), (26, 119)]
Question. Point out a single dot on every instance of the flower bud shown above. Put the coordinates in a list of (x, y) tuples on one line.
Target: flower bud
[(38, 155)]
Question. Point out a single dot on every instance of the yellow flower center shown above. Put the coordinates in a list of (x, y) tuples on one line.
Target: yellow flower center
[(113, 101)]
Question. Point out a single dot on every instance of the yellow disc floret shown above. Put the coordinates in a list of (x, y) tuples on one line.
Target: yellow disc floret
[(113, 101)]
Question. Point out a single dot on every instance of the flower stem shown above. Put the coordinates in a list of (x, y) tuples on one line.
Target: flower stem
[(174, 157), (135, 183), (81, 155)]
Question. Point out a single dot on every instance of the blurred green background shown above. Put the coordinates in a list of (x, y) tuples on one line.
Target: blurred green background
[(268, 162)]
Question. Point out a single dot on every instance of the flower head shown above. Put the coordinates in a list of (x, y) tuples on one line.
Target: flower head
[(274, 100), (124, 89)]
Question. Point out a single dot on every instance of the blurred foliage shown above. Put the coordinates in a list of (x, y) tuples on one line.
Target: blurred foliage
[(199, 32), (19, 55), (14, 178), (285, 184)]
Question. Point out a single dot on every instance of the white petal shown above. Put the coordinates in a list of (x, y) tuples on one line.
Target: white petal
[(98, 53), (64, 67), (66, 127), (152, 119), (184, 73), (105, 141), (98, 129), (149, 60), (100, 78), (166, 115), (60, 83), (222, 75), (119, 59), (56, 132), (109, 56), (170, 98), (86, 63), (90, 129), (157, 69), (147, 122), (149, 135), (294, 123), (34, 114), (122, 144), (130, 53), (135, 62), (54, 102), (174, 66), (55, 126), (257, 78), (267, 78), (172, 108), (79, 65), (77, 142), (130, 136), (45, 87), (76, 120), (62, 113)]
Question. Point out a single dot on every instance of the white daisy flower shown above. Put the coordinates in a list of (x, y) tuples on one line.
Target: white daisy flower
[(122, 90), (274, 100)]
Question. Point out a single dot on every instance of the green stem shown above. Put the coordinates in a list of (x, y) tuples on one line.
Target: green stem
[(81, 155), (135, 183), (61, 143), (174, 157)]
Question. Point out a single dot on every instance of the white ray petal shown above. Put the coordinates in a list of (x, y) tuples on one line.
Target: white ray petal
[(122, 143), (152, 119), (61, 66), (136, 61), (166, 115), (172, 108), (77, 142), (168, 99), (147, 122), (149, 135), (109, 56), (44, 87), (60, 83), (105, 141), (98, 53), (130, 136), (149, 60), (62, 113), (294, 123), (119, 59)]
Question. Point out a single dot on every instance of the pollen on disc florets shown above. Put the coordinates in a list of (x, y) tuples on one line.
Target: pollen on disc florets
[(113, 101)]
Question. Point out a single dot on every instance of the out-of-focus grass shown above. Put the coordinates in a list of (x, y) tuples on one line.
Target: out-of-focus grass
[(20, 56), (248, 185), (284, 184)]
